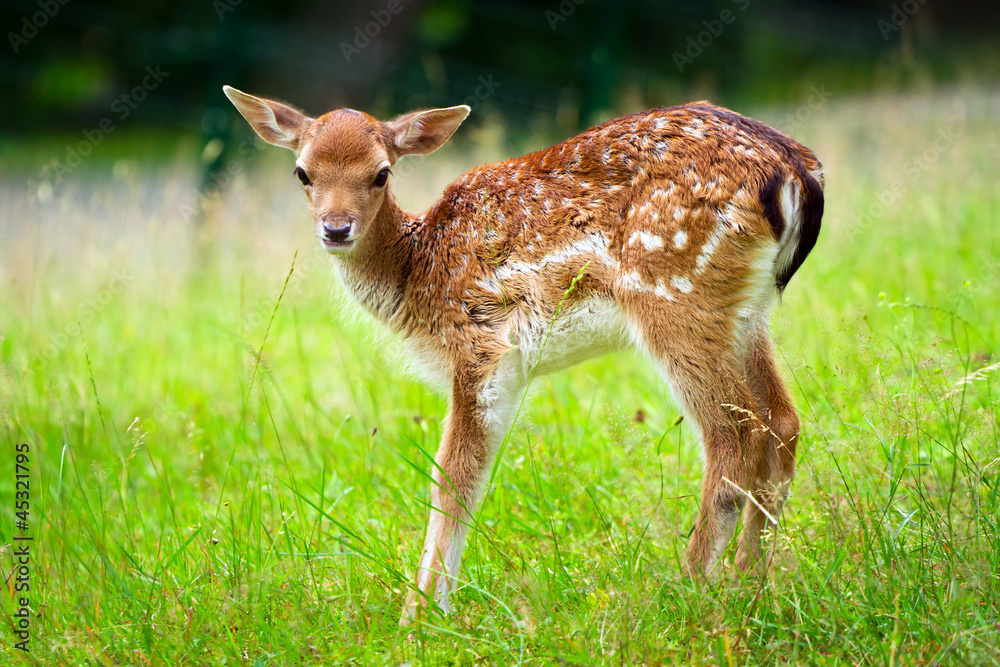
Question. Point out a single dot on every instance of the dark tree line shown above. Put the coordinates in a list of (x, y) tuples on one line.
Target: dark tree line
[(76, 62)]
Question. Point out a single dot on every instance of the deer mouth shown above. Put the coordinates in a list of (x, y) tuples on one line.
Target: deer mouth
[(334, 247)]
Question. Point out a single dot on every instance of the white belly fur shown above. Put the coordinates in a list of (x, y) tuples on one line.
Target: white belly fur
[(585, 329)]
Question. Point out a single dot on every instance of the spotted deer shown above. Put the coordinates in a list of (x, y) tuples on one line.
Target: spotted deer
[(673, 231)]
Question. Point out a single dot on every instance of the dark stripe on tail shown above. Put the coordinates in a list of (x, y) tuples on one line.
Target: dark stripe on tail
[(811, 213), (770, 201)]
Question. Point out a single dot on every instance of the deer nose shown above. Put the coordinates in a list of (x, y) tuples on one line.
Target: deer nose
[(333, 233)]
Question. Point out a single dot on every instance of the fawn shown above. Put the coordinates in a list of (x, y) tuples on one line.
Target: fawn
[(672, 230)]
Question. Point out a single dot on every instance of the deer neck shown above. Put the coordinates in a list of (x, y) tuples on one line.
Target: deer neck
[(375, 273)]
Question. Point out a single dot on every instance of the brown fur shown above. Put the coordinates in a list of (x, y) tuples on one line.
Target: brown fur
[(680, 223)]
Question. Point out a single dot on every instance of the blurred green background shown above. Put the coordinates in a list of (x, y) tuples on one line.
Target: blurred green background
[(220, 480), (557, 65)]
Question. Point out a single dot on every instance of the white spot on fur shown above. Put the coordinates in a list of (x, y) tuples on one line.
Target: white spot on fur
[(633, 282), (595, 245), (649, 241), (721, 227), (490, 285), (680, 238), (661, 291), (682, 284), (694, 132)]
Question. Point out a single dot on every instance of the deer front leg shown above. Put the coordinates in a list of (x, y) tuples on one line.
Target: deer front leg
[(480, 414)]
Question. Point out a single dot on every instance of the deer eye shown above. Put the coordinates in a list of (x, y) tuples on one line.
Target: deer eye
[(381, 178), (302, 176)]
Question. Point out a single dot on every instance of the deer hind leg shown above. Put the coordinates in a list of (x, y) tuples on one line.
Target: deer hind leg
[(773, 477), (731, 447), (697, 356)]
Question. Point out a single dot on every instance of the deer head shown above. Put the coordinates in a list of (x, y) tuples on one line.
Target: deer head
[(344, 157)]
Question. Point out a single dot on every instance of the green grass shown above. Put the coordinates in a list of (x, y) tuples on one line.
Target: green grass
[(208, 485)]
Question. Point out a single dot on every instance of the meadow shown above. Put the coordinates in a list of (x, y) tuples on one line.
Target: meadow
[(228, 465)]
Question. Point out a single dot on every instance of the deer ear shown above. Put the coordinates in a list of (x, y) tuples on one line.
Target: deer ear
[(421, 132), (276, 123)]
